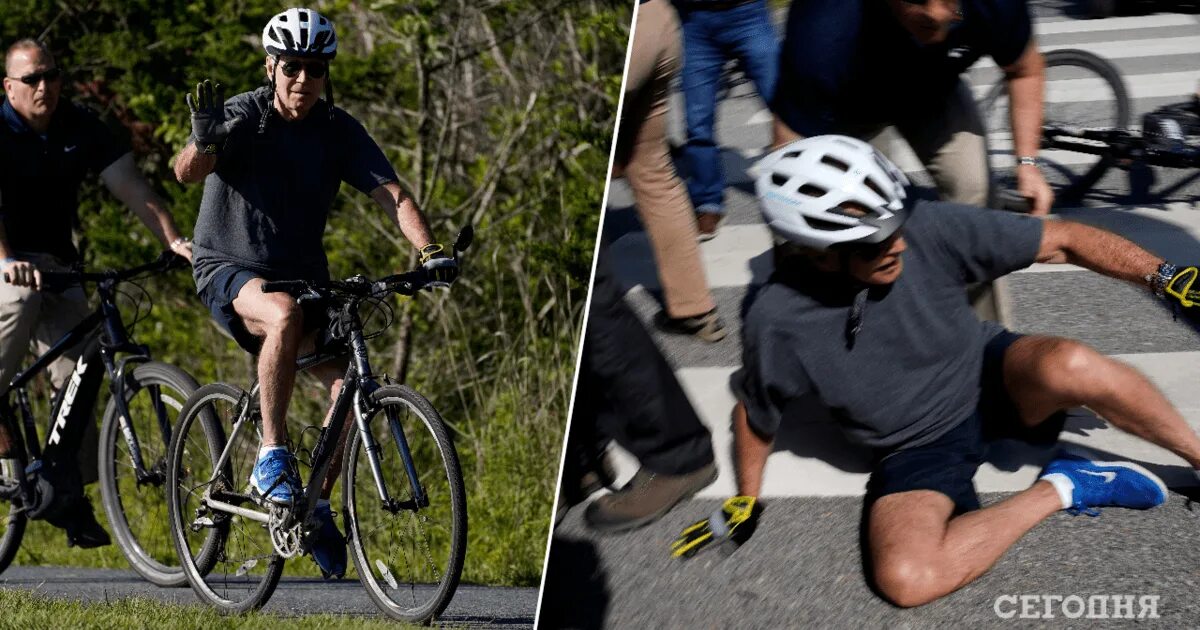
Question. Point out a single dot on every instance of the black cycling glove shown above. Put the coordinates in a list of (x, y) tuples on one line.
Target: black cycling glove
[(442, 269), (209, 126)]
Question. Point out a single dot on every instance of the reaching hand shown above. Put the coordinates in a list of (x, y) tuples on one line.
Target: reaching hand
[(209, 126), (22, 274), (1181, 289), (730, 526), (1031, 184), (442, 269)]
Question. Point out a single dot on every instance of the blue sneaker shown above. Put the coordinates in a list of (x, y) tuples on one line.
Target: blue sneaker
[(329, 548), (1098, 484), (269, 468)]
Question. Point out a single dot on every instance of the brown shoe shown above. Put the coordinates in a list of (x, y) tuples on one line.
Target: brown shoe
[(706, 225), (645, 499), (707, 327)]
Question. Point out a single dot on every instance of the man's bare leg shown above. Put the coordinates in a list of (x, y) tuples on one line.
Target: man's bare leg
[(331, 375), (1046, 374), (920, 553), (279, 322)]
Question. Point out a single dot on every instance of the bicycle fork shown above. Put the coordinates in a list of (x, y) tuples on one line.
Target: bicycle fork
[(372, 448)]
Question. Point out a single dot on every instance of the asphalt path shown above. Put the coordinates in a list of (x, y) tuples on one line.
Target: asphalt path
[(803, 567), (472, 606)]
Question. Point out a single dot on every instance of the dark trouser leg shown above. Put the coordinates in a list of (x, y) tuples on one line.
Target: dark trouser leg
[(631, 391)]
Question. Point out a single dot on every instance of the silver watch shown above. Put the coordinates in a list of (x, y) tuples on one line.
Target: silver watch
[(1027, 160)]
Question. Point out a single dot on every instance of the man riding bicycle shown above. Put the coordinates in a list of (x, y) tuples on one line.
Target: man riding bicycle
[(857, 67), (48, 149), (272, 161), (865, 313)]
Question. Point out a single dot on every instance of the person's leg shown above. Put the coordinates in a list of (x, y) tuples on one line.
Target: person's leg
[(640, 405), (19, 311), (329, 548), (752, 38), (703, 61), (1045, 374), (662, 200), (920, 553), (279, 322), (951, 142)]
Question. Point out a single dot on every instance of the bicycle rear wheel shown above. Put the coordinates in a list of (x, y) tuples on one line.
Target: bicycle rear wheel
[(137, 508), (12, 515), (228, 559), (409, 557), (1083, 91)]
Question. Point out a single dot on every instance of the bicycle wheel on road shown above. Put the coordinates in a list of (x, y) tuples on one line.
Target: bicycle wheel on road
[(1083, 91), (229, 560), (137, 510), (410, 559), (12, 516)]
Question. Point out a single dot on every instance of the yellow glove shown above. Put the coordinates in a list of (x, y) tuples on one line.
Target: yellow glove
[(730, 525)]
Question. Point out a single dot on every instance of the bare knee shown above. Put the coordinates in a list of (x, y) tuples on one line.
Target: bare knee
[(908, 581), (282, 319), (1069, 370)]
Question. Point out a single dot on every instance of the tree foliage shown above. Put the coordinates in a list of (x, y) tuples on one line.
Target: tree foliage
[(497, 114)]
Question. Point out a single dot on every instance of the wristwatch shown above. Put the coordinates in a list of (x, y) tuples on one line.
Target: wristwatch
[(1027, 160)]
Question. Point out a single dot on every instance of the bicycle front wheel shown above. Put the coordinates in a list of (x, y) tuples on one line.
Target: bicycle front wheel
[(228, 559), (12, 513), (136, 503), (1083, 91), (409, 553)]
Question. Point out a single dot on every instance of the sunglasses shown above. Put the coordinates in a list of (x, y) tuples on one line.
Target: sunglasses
[(32, 80), (871, 251), (314, 69)]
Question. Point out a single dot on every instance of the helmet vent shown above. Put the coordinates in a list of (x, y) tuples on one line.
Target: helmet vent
[(812, 191), (779, 180), (835, 163), (875, 188), (823, 225), (792, 154)]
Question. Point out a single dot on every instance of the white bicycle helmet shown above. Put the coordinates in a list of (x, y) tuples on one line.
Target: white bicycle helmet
[(803, 187), (300, 33)]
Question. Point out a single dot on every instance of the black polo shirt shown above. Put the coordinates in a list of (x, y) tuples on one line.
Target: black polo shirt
[(850, 62), (40, 176)]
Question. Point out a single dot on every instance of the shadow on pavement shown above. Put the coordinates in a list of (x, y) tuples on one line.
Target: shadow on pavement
[(576, 594)]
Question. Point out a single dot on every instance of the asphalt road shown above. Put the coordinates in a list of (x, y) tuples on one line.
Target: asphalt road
[(472, 606), (803, 567)]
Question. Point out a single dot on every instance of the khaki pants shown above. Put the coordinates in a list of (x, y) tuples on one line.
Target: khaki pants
[(950, 142), (38, 319), (643, 156)]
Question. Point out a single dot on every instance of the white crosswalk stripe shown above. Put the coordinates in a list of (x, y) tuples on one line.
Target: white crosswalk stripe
[(740, 256)]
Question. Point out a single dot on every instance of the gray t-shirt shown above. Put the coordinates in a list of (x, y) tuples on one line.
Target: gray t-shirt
[(913, 370), (266, 203)]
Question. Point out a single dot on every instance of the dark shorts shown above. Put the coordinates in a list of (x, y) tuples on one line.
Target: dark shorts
[(948, 464), (223, 288)]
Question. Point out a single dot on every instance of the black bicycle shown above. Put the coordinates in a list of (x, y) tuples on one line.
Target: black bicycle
[(39, 482), (1085, 131), (404, 505)]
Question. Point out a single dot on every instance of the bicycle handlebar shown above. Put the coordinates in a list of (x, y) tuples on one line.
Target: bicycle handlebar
[(166, 261)]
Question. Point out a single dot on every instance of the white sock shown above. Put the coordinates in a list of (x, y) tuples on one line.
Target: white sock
[(262, 452), (1063, 486)]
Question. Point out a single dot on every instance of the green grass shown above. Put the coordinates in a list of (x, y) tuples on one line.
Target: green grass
[(23, 609)]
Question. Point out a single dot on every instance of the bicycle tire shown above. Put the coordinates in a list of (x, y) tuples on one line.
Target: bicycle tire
[(147, 555), (448, 533), (13, 524), (1117, 116), (211, 557)]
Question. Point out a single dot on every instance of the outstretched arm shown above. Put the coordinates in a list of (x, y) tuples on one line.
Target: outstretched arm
[(404, 211), (128, 185), (1098, 250), (750, 453), (1026, 87)]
